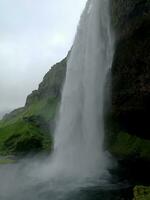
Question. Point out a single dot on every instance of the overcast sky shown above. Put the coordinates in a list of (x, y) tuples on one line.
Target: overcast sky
[(34, 35)]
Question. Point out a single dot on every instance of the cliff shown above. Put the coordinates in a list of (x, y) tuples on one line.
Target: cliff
[(131, 67), (128, 118), (29, 129)]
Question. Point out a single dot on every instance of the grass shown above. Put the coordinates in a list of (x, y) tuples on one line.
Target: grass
[(18, 134), (127, 145), (22, 136), (7, 161), (45, 107), (141, 193)]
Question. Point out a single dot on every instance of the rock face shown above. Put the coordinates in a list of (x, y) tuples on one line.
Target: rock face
[(51, 85), (128, 120), (131, 66)]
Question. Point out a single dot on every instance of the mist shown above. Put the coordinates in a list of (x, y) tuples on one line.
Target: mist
[(36, 178)]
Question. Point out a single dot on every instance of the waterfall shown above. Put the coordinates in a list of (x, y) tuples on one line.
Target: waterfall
[(79, 135), (79, 157)]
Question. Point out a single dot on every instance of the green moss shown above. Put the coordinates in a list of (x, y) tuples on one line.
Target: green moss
[(13, 119), (29, 130), (23, 137), (7, 161), (125, 145), (141, 193), (45, 107)]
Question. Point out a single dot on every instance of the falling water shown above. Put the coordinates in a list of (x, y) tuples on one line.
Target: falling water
[(78, 158), (79, 135)]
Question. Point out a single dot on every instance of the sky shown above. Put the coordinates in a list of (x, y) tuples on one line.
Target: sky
[(34, 35)]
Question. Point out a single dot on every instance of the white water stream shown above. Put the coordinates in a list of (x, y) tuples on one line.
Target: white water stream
[(79, 135), (78, 159)]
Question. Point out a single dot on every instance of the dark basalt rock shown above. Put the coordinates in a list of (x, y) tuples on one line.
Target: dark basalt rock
[(131, 66)]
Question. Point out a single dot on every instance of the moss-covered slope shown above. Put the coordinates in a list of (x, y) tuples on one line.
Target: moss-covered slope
[(29, 129)]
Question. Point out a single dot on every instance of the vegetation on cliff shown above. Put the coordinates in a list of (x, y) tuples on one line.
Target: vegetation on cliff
[(29, 129)]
